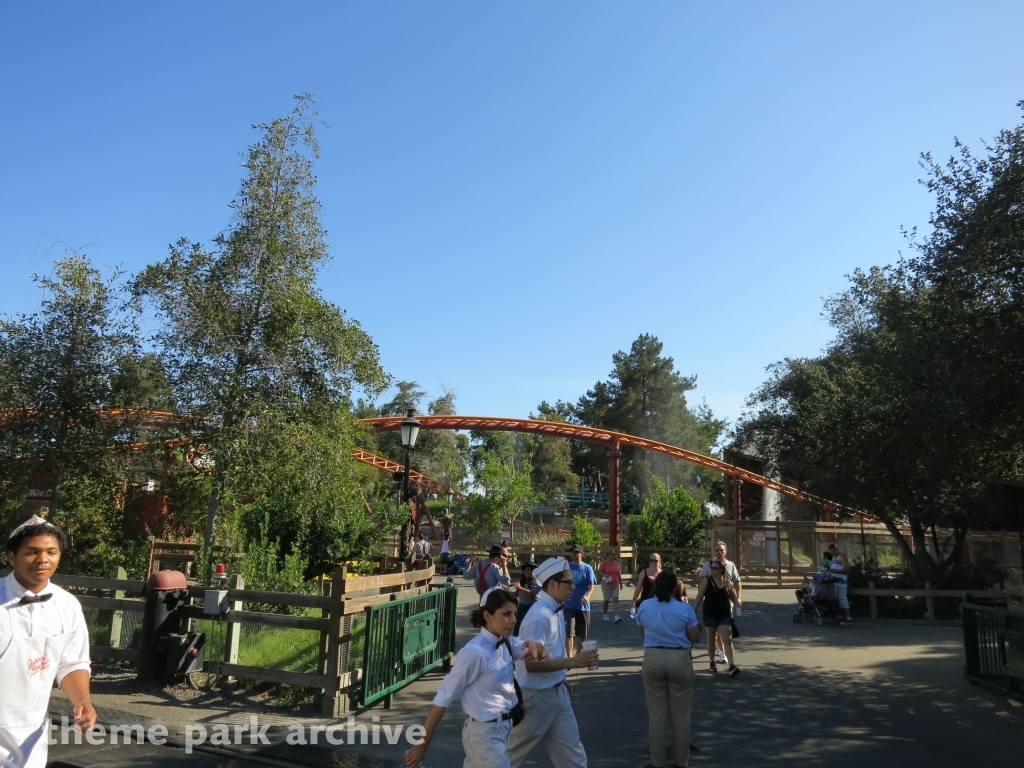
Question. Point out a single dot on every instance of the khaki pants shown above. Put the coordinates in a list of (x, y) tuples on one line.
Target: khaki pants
[(485, 744), (668, 682), (549, 718)]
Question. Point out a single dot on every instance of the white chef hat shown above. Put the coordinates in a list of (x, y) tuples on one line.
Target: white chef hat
[(550, 567)]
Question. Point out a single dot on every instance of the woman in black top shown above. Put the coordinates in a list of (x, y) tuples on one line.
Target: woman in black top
[(717, 593), (645, 582)]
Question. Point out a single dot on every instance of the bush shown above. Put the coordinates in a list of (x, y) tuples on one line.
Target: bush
[(584, 533)]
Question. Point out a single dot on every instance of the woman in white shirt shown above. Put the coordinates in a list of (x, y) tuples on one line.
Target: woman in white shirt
[(483, 679)]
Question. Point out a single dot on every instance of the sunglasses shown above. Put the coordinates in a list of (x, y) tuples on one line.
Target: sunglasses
[(564, 581)]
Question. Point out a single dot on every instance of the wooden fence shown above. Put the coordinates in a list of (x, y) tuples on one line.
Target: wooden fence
[(928, 593), (338, 672)]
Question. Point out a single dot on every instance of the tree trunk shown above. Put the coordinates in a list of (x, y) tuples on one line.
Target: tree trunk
[(921, 558)]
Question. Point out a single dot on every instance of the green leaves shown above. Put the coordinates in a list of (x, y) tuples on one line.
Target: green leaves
[(245, 334), (914, 412), (584, 533), (644, 396)]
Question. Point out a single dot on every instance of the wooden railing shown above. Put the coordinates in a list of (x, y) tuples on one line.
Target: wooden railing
[(337, 674), (928, 593)]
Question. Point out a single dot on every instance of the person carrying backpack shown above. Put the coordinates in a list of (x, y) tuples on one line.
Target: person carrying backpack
[(491, 572)]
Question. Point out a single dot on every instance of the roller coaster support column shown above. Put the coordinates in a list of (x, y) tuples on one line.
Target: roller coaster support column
[(614, 454)]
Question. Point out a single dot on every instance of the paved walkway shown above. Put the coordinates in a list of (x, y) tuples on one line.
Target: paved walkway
[(837, 696)]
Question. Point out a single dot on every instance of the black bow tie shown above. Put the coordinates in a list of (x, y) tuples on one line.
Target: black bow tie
[(559, 608), (29, 599), (503, 641)]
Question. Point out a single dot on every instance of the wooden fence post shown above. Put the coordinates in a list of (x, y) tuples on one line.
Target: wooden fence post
[(778, 552), (334, 704), (117, 617), (873, 600), (233, 633), (929, 602)]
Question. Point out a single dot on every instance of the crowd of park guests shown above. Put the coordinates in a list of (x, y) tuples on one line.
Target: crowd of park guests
[(511, 679)]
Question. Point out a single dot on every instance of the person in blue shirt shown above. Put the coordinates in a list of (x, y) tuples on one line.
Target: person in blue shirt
[(577, 607), (669, 627)]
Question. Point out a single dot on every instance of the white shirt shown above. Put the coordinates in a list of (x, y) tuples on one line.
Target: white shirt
[(61, 614), (665, 623), (730, 570), (544, 625), (445, 547), (482, 678), (835, 568)]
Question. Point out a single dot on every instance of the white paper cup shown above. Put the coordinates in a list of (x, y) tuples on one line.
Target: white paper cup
[(590, 645)]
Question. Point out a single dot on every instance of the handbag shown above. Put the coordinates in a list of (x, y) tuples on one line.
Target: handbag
[(735, 629), (518, 712)]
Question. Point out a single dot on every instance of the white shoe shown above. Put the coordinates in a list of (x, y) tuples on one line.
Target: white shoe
[(722, 658), (617, 619), (606, 617)]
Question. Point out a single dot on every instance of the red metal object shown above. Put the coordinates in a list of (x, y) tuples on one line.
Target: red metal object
[(388, 465), (167, 580), (609, 438)]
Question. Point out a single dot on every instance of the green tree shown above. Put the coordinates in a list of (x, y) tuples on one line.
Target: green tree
[(913, 412), (551, 460), (68, 372), (58, 368), (442, 454), (669, 519), (245, 334), (503, 471), (645, 396), (585, 534)]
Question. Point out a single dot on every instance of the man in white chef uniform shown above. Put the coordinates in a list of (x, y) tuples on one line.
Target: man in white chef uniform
[(43, 637)]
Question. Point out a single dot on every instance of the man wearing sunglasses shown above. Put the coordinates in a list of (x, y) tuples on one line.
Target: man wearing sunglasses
[(549, 714)]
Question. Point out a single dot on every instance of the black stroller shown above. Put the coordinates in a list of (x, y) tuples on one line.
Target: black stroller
[(818, 603)]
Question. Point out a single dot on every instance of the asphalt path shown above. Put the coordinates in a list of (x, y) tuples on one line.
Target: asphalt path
[(868, 694)]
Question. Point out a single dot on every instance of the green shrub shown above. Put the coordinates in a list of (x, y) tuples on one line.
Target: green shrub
[(584, 533)]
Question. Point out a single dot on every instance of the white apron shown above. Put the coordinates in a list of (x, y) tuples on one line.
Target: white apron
[(28, 667)]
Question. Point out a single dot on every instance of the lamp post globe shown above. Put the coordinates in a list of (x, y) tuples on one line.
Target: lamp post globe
[(410, 429)]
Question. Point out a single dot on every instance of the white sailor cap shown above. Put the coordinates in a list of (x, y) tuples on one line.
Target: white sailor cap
[(487, 593), (550, 567), (34, 520)]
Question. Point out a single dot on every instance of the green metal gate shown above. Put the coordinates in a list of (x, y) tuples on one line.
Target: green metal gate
[(994, 646), (405, 639)]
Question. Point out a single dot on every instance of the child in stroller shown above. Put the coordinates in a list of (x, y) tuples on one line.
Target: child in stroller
[(818, 603)]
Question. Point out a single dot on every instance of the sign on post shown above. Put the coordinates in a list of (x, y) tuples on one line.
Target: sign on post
[(420, 635)]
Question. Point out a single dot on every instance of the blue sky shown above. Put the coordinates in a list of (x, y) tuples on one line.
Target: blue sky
[(514, 191)]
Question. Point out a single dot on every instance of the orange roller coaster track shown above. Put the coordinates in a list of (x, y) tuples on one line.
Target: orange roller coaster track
[(387, 465), (614, 441)]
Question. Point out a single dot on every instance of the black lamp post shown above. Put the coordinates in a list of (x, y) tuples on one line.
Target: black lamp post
[(448, 496), (410, 429)]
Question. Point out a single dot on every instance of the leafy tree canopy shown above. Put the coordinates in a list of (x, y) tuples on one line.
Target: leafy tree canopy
[(244, 332), (913, 413), (645, 396)]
